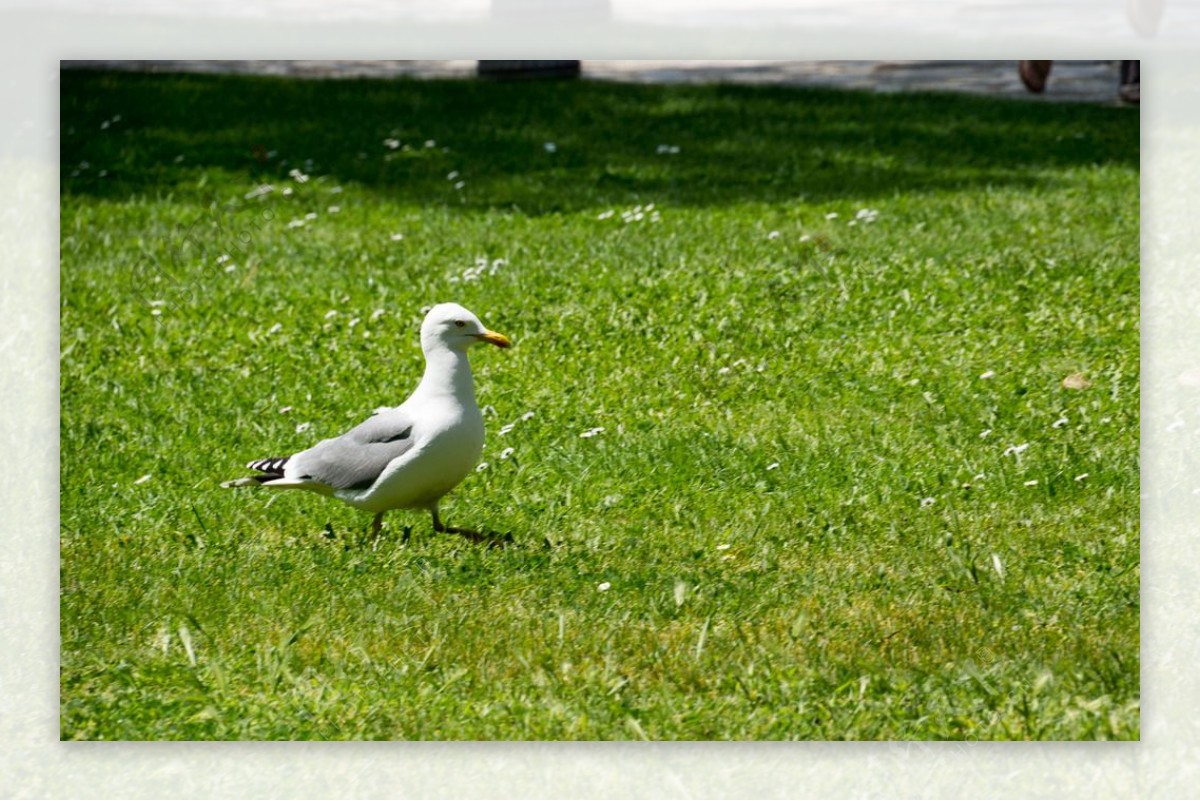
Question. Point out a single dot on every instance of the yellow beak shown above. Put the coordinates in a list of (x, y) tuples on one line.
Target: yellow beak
[(499, 340)]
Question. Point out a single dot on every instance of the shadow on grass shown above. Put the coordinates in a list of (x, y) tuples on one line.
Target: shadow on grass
[(735, 143)]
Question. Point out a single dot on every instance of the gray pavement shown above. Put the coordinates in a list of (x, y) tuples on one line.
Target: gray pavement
[(1070, 81)]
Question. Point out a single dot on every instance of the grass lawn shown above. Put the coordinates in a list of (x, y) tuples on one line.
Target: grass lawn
[(841, 490)]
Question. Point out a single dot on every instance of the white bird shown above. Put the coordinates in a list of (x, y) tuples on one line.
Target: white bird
[(410, 456)]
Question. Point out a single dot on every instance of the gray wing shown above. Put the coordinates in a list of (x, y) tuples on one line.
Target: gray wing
[(355, 459)]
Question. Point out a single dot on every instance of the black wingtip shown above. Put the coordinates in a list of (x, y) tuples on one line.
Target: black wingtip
[(274, 465)]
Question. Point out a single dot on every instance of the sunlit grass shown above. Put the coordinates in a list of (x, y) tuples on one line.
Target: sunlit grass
[(784, 441)]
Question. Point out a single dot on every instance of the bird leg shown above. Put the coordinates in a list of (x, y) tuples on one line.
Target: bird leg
[(376, 526)]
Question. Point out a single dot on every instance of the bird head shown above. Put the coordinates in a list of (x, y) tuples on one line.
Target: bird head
[(448, 325)]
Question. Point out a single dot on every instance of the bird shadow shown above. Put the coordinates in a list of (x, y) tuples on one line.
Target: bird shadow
[(355, 539)]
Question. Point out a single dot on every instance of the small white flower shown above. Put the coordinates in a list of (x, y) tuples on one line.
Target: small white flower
[(773, 235), (143, 479), (430, 143), (156, 312), (331, 313), (1059, 423), (397, 237), (591, 432), (999, 568), (285, 409), (375, 315), (452, 175), (723, 546), (604, 215), (224, 257), (300, 429), (1081, 476), (550, 147), (312, 215), (354, 322), (158, 303), (805, 238), (481, 467), (773, 466), (506, 428), (460, 184), (507, 452), (1032, 483), (334, 209), (275, 329), (297, 223), (335, 190), (985, 433), (527, 416), (298, 176), (104, 125), (258, 191), (603, 586), (391, 143), (833, 215), (988, 374), (1016, 450), (287, 190), (927, 502)]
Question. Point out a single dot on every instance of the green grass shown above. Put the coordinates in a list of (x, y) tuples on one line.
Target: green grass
[(804, 502)]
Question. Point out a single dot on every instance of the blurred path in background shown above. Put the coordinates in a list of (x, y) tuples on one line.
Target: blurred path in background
[(980, 20), (1072, 81)]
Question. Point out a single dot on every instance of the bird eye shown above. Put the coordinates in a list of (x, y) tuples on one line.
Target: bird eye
[(459, 323)]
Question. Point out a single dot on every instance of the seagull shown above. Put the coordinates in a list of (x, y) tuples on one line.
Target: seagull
[(409, 456)]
